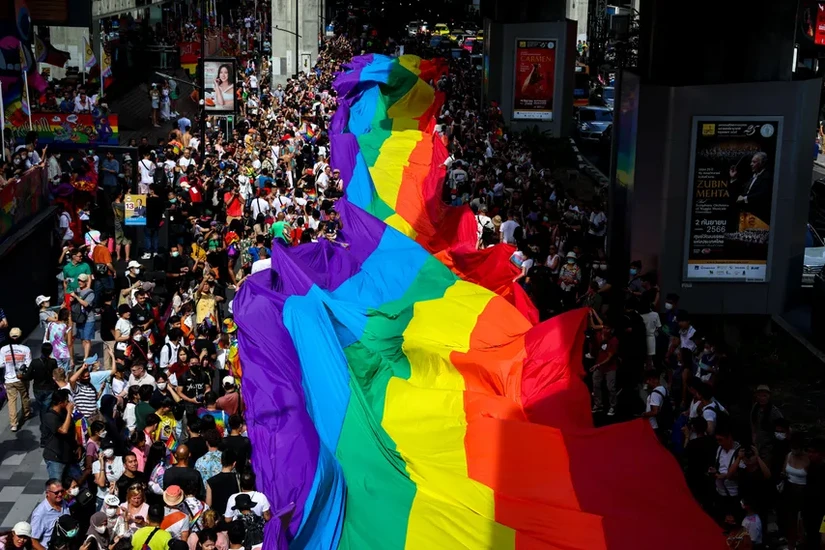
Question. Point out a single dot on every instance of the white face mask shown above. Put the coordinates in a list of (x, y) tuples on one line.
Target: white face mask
[(111, 512), (74, 491), (101, 529), (136, 271), (138, 337), (780, 435), (109, 453), (103, 434), (668, 306), (161, 385)]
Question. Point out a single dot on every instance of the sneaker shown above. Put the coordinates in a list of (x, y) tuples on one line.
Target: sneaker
[(596, 409), (611, 412), (147, 256), (154, 254), (588, 356), (14, 428)]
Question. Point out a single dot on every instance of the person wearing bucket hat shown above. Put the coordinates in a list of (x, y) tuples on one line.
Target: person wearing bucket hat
[(175, 517), (763, 416), (16, 358)]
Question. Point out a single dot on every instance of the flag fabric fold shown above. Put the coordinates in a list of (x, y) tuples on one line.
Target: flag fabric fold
[(46, 53), (396, 403), (91, 60)]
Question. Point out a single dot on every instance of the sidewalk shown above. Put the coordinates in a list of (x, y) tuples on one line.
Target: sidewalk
[(22, 469)]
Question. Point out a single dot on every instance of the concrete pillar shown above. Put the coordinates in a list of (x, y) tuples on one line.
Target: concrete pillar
[(284, 43)]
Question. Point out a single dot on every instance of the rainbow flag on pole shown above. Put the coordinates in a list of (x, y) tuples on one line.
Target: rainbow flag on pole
[(400, 406)]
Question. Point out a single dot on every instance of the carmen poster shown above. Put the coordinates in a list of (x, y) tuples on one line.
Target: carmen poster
[(68, 129), (219, 85), (534, 83), (732, 180)]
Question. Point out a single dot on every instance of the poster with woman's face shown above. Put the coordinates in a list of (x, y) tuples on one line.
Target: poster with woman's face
[(219, 85)]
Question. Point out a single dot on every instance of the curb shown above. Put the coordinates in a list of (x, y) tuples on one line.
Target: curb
[(588, 167)]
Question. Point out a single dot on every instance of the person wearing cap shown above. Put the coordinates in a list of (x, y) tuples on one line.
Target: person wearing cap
[(16, 359), (570, 275), (253, 523), (230, 401), (763, 417), (153, 535), (83, 313), (260, 504), (18, 538), (46, 315)]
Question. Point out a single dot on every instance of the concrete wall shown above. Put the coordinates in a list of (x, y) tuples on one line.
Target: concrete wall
[(502, 65), (659, 197), (577, 11), (283, 43), (69, 39)]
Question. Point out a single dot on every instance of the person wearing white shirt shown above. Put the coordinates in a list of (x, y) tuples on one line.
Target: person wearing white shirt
[(83, 103), (169, 351), (16, 356), (186, 160), (259, 206), (508, 228), (146, 168), (598, 225), (726, 466), (655, 400), (140, 377), (247, 485)]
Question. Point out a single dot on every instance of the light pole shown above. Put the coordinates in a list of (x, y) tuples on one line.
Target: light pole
[(297, 37)]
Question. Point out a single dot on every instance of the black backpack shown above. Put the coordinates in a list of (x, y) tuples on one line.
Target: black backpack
[(254, 526), (665, 417)]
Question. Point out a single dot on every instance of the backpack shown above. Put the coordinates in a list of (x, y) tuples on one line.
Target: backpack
[(722, 417), (160, 176), (665, 417), (254, 527)]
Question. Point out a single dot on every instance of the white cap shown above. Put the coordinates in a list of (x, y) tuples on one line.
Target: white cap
[(22, 529), (228, 380), (133, 263), (40, 299), (111, 500)]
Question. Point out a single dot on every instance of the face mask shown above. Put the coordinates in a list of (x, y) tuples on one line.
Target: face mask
[(74, 491), (633, 272), (604, 346), (103, 434), (175, 254), (780, 436), (161, 385), (571, 261), (71, 534), (111, 512), (101, 529), (173, 201), (138, 337), (109, 453), (668, 306), (136, 271)]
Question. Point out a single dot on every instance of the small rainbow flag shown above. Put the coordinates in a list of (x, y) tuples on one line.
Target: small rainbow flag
[(172, 442)]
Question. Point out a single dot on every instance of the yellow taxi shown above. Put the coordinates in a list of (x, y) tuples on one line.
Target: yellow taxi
[(441, 29), (456, 34)]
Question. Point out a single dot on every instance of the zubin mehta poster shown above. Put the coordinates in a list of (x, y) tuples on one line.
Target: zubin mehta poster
[(733, 170), (535, 79)]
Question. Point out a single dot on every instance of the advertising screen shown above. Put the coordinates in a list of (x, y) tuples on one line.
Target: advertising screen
[(534, 82), (733, 169), (219, 85)]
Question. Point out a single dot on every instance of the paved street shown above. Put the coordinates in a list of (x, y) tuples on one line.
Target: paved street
[(22, 470)]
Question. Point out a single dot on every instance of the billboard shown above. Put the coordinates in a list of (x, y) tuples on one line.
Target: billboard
[(135, 210), (219, 85), (730, 197), (812, 20), (67, 130), (535, 79)]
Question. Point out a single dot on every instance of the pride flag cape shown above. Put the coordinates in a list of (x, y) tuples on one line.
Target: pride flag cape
[(397, 406), (389, 114)]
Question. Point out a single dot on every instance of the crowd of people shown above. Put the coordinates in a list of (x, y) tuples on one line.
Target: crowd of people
[(145, 442)]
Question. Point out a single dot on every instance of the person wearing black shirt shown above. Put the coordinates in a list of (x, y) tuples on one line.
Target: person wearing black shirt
[(181, 474), (108, 320), (57, 437), (131, 476), (154, 215), (223, 485), (43, 385), (237, 443), (197, 445), (177, 267), (193, 384), (142, 312)]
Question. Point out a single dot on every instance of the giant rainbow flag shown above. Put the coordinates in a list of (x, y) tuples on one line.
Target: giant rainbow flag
[(395, 404)]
